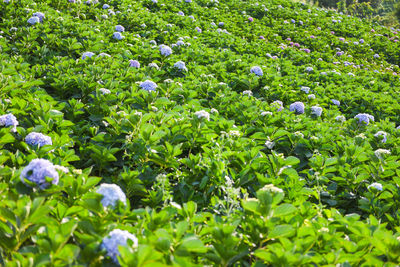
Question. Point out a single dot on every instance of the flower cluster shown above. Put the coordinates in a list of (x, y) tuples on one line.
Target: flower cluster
[(9, 120), (257, 71), (37, 171), (148, 85), (335, 102), (202, 114), (180, 65), (87, 55), (317, 111), (119, 28), (383, 134), (134, 63), (38, 139), (278, 104), (364, 118), (118, 36), (111, 194), (297, 107), (165, 50), (117, 238)]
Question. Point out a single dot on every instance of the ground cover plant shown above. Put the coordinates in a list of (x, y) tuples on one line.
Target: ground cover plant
[(197, 133)]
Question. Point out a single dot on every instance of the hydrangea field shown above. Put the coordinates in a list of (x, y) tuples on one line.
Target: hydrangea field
[(197, 133)]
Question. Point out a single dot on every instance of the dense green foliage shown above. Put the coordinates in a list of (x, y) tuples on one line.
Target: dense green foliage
[(248, 186)]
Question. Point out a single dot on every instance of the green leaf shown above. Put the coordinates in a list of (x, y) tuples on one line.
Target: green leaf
[(281, 231)]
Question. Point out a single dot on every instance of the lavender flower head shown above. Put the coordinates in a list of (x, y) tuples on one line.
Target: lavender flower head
[(38, 139), (9, 120), (37, 171), (118, 36), (134, 63), (179, 43), (305, 89), (87, 55), (198, 29), (111, 194), (317, 111), (180, 65), (117, 238), (33, 20), (257, 71), (165, 50), (148, 85), (278, 104), (40, 15), (106, 6), (364, 118), (297, 107), (202, 114), (335, 102), (119, 28), (311, 96), (309, 69), (180, 13), (383, 134)]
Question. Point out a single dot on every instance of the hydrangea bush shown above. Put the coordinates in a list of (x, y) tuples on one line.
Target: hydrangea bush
[(214, 166)]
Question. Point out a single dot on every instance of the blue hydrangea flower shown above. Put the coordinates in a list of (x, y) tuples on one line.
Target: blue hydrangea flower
[(165, 50), (198, 29), (153, 42), (40, 15), (257, 71), (106, 6), (364, 118), (180, 65), (111, 194), (180, 13), (33, 20), (87, 55), (221, 24), (179, 43), (335, 102), (383, 134), (148, 85), (309, 69), (134, 64), (118, 36), (119, 28), (37, 171), (311, 96), (9, 120), (340, 118), (117, 238), (38, 139), (317, 111), (376, 56), (305, 89), (297, 107)]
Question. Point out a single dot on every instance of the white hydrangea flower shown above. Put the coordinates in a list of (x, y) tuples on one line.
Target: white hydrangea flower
[(383, 134), (104, 91), (340, 118), (377, 186), (380, 152), (202, 114), (272, 188), (247, 92), (305, 89), (111, 194), (316, 111)]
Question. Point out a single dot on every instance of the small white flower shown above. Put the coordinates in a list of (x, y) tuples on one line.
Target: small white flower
[(305, 89), (340, 118), (299, 134), (213, 110), (265, 113), (104, 91), (380, 152), (247, 92), (269, 144), (377, 186)]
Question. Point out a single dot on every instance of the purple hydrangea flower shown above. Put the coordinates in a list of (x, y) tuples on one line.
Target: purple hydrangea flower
[(257, 71), (134, 63), (309, 69), (364, 118), (40, 15), (87, 55), (117, 238), (148, 85), (106, 6), (118, 36), (376, 56), (37, 171), (250, 19), (33, 20), (278, 104), (9, 120), (165, 50), (180, 65), (198, 29), (38, 139), (119, 28), (111, 194), (383, 134), (179, 43), (180, 13), (297, 107), (335, 102)]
